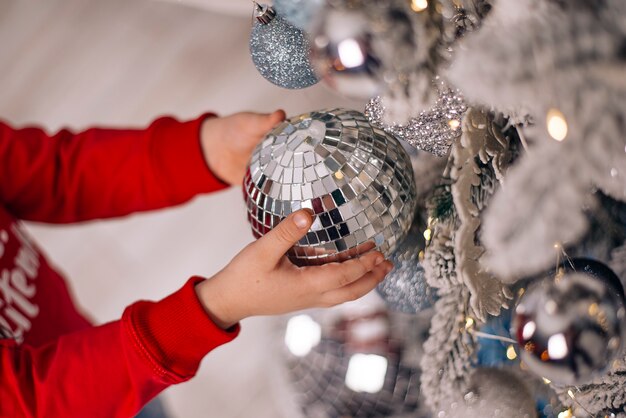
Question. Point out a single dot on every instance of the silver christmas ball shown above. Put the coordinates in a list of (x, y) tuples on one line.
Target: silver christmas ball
[(405, 288), (355, 48), (280, 51), (298, 12), (570, 326), (358, 366), (493, 393), (357, 179)]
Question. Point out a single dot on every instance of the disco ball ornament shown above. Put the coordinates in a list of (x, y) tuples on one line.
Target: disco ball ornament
[(363, 366), (353, 47), (280, 51), (570, 326), (298, 12), (404, 288), (357, 179)]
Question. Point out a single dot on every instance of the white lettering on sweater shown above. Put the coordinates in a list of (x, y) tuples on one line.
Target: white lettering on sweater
[(16, 288)]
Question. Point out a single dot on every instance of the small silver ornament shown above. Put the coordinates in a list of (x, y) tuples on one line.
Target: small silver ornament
[(354, 47), (493, 393), (298, 12), (570, 326), (433, 130), (280, 51), (358, 181), (405, 288)]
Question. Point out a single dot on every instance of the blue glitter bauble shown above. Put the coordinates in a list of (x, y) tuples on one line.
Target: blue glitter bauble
[(298, 12), (280, 52)]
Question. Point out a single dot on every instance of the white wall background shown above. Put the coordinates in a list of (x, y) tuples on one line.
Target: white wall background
[(78, 63)]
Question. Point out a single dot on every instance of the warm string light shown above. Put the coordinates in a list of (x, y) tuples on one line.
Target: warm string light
[(557, 125), (419, 5)]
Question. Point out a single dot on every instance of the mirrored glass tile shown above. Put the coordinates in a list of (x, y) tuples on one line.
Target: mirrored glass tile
[(309, 159), (307, 191), (341, 244), (325, 219), (278, 151), (343, 230), (322, 235), (298, 160), (351, 241), (329, 184), (362, 219), (321, 151), (296, 192), (353, 225), (329, 204), (338, 197), (312, 238), (333, 233), (286, 192), (295, 142), (321, 170), (318, 188), (309, 174), (285, 160), (369, 230), (335, 216), (317, 205), (332, 164), (348, 192), (287, 175), (298, 176), (346, 211), (360, 236)]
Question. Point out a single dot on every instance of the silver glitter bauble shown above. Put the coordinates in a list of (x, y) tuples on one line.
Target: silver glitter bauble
[(433, 130), (570, 326), (298, 12), (493, 393), (358, 181), (359, 366), (355, 46), (280, 51), (404, 288)]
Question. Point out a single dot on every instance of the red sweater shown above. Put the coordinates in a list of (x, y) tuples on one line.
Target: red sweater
[(57, 364)]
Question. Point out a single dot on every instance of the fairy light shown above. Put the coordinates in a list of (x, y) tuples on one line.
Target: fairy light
[(469, 322), (428, 234), (510, 353), (557, 125), (546, 381), (454, 124), (566, 414), (419, 5)]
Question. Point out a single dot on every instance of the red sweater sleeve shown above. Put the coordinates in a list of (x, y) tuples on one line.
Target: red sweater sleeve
[(114, 369), (101, 173)]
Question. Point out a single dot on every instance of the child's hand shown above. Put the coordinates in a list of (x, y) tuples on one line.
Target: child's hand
[(228, 142), (261, 280)]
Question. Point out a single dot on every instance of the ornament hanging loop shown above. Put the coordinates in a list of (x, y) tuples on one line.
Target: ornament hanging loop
[(264, 13)]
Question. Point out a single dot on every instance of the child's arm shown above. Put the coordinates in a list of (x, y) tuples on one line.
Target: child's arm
[(101, 173), (114, 369)]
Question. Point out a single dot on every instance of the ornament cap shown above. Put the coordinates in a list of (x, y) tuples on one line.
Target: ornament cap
[(264, 13)]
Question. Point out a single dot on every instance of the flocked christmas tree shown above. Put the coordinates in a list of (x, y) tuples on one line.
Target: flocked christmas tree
[(523, 105)]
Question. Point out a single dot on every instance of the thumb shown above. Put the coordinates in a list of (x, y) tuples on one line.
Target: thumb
[(273, 245), (266, 121)]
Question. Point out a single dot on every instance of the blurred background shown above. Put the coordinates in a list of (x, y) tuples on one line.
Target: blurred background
[(78, 63)]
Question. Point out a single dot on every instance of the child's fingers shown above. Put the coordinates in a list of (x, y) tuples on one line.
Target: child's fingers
[(335, 275), (272, 246), (358, 288)]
